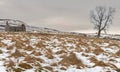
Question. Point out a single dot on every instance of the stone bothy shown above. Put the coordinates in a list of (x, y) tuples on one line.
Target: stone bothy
[(15, 28)]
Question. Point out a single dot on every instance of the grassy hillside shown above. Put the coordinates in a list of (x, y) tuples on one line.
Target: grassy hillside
[(39, 52)]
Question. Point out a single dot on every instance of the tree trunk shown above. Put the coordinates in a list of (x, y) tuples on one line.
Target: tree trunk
[(99, 33)]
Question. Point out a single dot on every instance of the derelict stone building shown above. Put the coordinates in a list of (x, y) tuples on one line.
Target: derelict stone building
[(15, 28)]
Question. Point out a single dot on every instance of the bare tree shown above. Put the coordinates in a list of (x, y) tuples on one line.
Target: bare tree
[(102, 17)]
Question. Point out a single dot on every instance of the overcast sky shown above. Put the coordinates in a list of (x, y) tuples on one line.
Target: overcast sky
[(64, 15)]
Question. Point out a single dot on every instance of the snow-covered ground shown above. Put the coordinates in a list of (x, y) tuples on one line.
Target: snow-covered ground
[(35, 52)]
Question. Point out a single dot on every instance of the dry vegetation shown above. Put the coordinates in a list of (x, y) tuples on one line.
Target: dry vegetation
[(54, 52)]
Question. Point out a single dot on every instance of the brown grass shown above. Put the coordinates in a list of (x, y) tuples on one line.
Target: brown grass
[(97, 40), (25, 66), (112, 60), (100, 63), (36, 53), (1, 52), (70, 41), (9, 63), (93, 59), (49, 54), (26, 41), (10, 47), (2, 44), (98, 50), (114, 44), (118, 70), (24, 54), (118, 53), (83, 44), (29, 59), (17, 70), (67, 60), (78, 49), (61, 52), (40, 45), (112, 65), (29, 48), (71, 60), (97, 63), (19, 44), (17, 54), (38, 64), (39, 60)]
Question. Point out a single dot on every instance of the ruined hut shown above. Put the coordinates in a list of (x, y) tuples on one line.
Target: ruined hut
[(15, 28)]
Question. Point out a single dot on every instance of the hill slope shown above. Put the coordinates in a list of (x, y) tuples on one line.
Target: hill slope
[(29, 28), (35, 52)]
